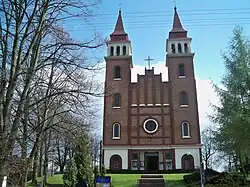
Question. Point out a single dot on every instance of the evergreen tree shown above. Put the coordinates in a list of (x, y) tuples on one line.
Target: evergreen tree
[(69, 178), (83, 160), (233, 114)]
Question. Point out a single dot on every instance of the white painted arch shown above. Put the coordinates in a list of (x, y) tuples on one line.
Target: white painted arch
[(121, 152)]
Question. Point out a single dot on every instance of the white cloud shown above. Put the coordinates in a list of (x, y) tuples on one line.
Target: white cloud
[(205, 92)]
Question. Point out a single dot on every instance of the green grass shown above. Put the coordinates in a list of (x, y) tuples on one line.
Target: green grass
[(39, 180), (124, 180), (130, 180), (174, 180), (55, 179)]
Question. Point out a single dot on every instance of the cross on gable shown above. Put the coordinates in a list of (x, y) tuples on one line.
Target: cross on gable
[(149, 61)]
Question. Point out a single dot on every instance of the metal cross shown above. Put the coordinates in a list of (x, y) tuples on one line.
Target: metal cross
[(174, 1), (149, 60), (120, 7)]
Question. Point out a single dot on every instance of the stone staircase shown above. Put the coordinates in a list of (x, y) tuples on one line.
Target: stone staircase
[(151, 180)]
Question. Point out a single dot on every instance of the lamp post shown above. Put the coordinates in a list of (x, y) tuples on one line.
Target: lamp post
[(201, 169), (100, 161)]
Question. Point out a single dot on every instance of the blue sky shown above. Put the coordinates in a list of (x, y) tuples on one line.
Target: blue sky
[(209, 23)]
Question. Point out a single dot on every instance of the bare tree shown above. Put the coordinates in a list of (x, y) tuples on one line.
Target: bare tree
[(208, 149), (43, 74)]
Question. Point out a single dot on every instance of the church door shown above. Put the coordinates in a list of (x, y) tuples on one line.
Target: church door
[(152, 161), (187, 162), (116, 162)]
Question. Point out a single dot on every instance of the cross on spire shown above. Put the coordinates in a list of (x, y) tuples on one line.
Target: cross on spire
[(174, 1), (149, 60), (120, 7)]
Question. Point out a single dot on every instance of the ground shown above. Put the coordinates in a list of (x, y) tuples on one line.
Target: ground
[(125, 180), (130, 180), (55, 181)]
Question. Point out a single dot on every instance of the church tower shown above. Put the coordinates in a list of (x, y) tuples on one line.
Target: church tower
[(183, 106), (117, 86)]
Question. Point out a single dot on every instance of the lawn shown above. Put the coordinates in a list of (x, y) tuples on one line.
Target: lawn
[(124, 180), (130, 180), (55, 179), (39, 180), (127, 180)]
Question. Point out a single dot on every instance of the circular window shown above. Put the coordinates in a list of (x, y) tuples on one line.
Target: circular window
[(150, 126)]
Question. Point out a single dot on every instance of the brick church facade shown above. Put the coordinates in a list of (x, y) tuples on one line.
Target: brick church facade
[(151, 124)]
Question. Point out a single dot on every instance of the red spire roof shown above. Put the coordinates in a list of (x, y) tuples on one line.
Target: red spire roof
[(119, 33), (177, 30)]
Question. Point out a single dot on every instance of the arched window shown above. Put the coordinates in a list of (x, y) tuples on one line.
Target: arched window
[(173, 48), (183, 98), (185, 129), (116, 131), (118, 51), (181, 70), (124, 51), (179, 48), (117, 72), (186, 48), (117, 100), (111, 51)]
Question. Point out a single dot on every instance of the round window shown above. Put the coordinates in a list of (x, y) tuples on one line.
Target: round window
[(150, 126)]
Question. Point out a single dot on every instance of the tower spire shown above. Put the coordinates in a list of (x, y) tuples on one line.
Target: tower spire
[(119, 33), (177, 31)]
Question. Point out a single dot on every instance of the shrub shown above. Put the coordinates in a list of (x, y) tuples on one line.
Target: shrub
[(227, 179), (103, 172), (193, 177)]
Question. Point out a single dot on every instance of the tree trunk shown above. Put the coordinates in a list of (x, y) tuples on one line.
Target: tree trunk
[(46, 157), (24, 177), (242, 168), (35, 167), (40, 169)]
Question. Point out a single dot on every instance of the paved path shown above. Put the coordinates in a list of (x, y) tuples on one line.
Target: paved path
[(55, 185)]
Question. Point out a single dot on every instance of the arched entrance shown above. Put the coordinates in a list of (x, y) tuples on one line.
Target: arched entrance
[(187, 162), (116, 162)]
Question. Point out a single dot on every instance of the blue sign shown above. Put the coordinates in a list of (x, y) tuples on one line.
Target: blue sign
[(103, 180)]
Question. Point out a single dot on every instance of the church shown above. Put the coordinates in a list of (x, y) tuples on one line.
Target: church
[(151, 124)]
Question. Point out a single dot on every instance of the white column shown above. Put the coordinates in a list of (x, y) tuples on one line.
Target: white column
[(4, 184), (183, 47)]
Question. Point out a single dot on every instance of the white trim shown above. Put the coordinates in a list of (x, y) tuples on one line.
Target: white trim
[(121, 152), (184, 106), (186, 137), (182, 77), (166, 104), (150, 104), (142, 105), (117, 79), (157, 104), (144, 126), (116, 107), (152, 147), (179, 153), (113, 128), (134, 105), (182, 129)]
